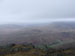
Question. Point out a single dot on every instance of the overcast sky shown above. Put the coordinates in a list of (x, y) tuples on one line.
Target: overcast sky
[(18, 11)]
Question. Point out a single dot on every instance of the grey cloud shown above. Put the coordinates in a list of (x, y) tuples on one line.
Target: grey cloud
[(30, 10)]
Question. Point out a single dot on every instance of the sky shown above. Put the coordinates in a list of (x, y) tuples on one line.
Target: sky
[(32, 11)]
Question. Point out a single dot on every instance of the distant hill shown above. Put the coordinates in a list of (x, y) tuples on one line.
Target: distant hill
[(50, 33)]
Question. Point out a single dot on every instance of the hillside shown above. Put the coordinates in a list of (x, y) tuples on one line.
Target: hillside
[(49, 39), (31, 50)]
